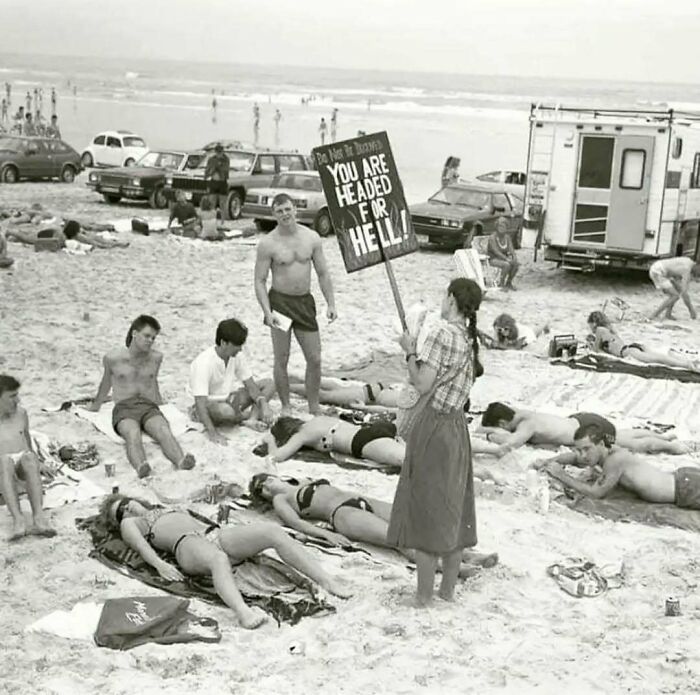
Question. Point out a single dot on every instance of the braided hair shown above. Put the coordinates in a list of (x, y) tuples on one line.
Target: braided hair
[(467, 295)]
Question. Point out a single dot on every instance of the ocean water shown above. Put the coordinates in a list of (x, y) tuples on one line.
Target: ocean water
[(482, 119)]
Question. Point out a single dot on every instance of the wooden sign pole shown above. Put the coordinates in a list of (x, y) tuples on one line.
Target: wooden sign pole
[(390, 273)]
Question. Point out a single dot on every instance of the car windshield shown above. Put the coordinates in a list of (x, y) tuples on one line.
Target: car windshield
[(133, 142), (238, 161), (10, 144), (454, 195), (298, 181), (162, 160)]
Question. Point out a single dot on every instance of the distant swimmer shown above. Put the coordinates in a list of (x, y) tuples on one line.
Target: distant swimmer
[(53, 102), (323, 130), (334, 124), (277, 119), (256, 122)]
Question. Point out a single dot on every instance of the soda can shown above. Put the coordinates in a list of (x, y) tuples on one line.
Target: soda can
[(222, 515), (673, 606)]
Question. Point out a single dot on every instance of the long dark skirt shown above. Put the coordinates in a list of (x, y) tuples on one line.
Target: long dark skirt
[(434, 503)]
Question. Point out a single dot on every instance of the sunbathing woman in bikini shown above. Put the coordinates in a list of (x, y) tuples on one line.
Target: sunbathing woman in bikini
[(354, 518), (351, 392), (207, 550), (376, 441), (605, 339)]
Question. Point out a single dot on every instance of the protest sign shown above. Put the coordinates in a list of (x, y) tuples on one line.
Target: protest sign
[(365, 200)]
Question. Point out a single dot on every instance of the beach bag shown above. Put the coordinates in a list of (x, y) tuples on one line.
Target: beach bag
[(129, 622)]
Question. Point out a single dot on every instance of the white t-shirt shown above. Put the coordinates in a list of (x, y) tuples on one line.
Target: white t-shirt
[(210, 377)]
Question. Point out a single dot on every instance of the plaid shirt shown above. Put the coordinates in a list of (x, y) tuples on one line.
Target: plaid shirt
[(448, 350)]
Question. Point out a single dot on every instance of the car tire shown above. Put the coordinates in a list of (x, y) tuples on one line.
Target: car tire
[(129, 162), (322, 223), (9, 174), (265, 225), (68, 173), (86, 160), (234, 205), (158, 200), (111, 198)]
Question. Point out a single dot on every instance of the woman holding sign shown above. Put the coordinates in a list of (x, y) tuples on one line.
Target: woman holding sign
[(433, 510)]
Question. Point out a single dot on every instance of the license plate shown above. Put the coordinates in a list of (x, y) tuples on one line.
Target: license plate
[(110, 189), (423, 238), (188, 195), (263, 200)]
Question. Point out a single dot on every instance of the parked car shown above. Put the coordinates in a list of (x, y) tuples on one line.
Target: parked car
[(304, 188), (114, 148), (248, 166), (461, 211), (37, 158), (146, 179)]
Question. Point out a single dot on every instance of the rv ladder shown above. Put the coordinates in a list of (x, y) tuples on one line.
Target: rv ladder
[(683, 194)]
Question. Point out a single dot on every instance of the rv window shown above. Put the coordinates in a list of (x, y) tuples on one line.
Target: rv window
[(595, 170), (695, 176), (632, 171), (677, 148)]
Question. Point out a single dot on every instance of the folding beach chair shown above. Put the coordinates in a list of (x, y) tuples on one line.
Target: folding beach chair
[(474, 264)]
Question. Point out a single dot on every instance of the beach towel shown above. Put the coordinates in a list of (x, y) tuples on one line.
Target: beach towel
[(80, 622), (606, 363), (621, 505), (102, 420), (60, 484), (264, 581), (378, 366), (126, 623)]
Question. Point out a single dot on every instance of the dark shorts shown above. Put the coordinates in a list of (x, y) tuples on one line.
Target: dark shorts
[(355, 503), (217, 187), (586, 419), (381, 429), (687, 487), (301, 308), (135, 408)]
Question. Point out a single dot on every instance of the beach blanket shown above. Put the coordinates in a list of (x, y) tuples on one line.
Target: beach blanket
[(623, 506), (102, 420), (607, 363), (264, 581), (61, 485)]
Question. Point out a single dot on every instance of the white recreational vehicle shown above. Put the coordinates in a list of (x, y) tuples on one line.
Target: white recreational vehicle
[(612, 187)]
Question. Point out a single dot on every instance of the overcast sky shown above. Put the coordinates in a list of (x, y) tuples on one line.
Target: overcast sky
[(628, 39)]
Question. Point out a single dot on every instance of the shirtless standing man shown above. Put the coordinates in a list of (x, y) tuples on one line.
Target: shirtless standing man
[(672, 277), (512, 428), (132, 375), (19, 462), (594, 448), (289, 251)]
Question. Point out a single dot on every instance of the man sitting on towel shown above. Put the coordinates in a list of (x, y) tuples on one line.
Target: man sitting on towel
[(223, 387), (512, 428), (132, 375), (18, 462), (594, 446)]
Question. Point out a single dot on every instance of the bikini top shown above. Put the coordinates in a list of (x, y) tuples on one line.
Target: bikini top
[(305, 495), (152, 517)]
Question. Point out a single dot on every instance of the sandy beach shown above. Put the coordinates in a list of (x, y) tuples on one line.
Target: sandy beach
[(512, 630)]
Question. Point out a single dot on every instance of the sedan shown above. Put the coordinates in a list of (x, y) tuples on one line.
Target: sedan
[(37, 158), (460, 211), (304, 188)]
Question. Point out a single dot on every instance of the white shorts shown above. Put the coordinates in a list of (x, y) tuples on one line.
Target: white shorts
[(661, 282)]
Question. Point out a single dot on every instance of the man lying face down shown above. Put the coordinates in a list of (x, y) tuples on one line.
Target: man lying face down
[(594, 446), (512, 428)]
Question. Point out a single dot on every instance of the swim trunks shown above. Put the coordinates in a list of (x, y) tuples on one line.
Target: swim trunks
[(368, 433), (301, 308), (587, 419), (135, 408), (660, 279), (355, 503), (687, 487), (16, 459), (217, 187)]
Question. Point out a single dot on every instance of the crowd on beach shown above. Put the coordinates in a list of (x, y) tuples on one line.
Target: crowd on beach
[(29, 118), (432, 519)]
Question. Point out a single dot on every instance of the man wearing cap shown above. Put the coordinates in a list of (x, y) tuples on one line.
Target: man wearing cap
[(216, 174)]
